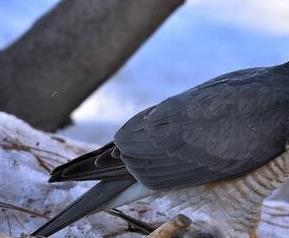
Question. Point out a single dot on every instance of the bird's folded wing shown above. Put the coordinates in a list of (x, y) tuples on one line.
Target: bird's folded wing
[(221, 129)]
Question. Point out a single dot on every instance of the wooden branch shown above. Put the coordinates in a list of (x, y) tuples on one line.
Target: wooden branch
[(4, 205), (71, 51), (170, 228)]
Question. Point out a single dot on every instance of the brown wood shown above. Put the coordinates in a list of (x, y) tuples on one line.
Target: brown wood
[(170, 228)]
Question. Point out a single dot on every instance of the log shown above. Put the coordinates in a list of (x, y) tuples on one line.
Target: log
[(71, 51)]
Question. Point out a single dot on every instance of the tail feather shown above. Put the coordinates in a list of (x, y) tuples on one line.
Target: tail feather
[(96, 165), (94, 200), (110, 192)]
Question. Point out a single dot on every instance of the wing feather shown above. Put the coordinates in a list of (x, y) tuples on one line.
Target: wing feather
[(221, 129)]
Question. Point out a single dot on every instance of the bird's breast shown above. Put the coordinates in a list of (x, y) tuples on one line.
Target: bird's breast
[(234, 205)]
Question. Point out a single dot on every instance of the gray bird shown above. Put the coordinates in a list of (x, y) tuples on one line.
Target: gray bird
[(220, 148)]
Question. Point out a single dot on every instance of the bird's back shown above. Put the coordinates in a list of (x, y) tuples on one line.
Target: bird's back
[(223, 128)]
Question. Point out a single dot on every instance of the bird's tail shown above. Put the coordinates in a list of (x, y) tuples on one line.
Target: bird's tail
[(96, 199), (117, 187), (95, 165)]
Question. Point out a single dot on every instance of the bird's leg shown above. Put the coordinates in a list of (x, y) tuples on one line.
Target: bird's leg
[(134, 224)]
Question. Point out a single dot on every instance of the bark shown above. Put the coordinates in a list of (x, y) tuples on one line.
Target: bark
[(70, 51)]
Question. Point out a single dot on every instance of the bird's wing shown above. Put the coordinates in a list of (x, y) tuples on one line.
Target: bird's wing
[(221, 129)]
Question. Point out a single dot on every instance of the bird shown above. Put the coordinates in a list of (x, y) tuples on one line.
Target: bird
[(220, 148)]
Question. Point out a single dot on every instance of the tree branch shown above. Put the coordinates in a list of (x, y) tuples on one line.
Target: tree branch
[(72, 50), (170, 228)]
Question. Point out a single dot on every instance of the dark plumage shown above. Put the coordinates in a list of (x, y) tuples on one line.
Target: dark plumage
[(221, 129), (96, 165)]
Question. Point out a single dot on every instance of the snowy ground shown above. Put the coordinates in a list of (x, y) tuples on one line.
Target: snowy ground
[(27, 200)]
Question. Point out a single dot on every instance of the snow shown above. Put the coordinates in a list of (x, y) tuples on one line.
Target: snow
[(23, 180), (23, 183)]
